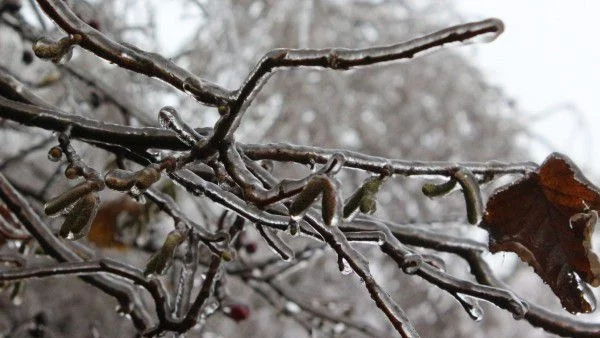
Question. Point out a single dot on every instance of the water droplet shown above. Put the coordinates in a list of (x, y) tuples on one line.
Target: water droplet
[(334, 164), (168, 118), (339, 328), (141, 199), (471, 306), (294, 226), (292, 307), (135, 191), (124, 311), (412, 264), (312, 165), (586, 294), (17, 300), (344, 266)]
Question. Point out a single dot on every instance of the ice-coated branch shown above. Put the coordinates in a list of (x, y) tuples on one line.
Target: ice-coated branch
[(144, 138), (343, 59), (285, 152), (169, 206), (133, 58)]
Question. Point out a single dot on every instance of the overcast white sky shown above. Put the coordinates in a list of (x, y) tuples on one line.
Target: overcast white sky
[(547, 56)]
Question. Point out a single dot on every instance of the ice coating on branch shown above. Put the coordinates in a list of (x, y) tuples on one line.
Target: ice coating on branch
[(276, 244), (168, 118), (334, 164)]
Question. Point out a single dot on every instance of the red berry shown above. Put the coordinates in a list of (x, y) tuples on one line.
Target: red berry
[(251, 247), (238, 312)]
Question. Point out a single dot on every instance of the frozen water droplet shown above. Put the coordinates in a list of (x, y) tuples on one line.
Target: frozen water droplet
[(471, 306), (294, 227), (523, 309), (476, 313), (169, 118), (287, 258), (292, 307), (339, 328), (344, 266), (64, 58), (296, 218), (123, 312), (586, 293), (141, 199), (334, 164), (412, 264), (18, 300), (135, 191), (312, 165)]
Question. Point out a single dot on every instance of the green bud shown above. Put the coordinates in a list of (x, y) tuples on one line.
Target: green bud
[(162, 259), (306, 197), (364, 198), (57, 51), (331, 203), (119, 179), (79, 220), (368, 205), (68, 197), (146, 177), (471, 193), (434, 190)]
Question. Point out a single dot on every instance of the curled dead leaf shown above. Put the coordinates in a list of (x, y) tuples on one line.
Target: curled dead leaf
[(547, 218)]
